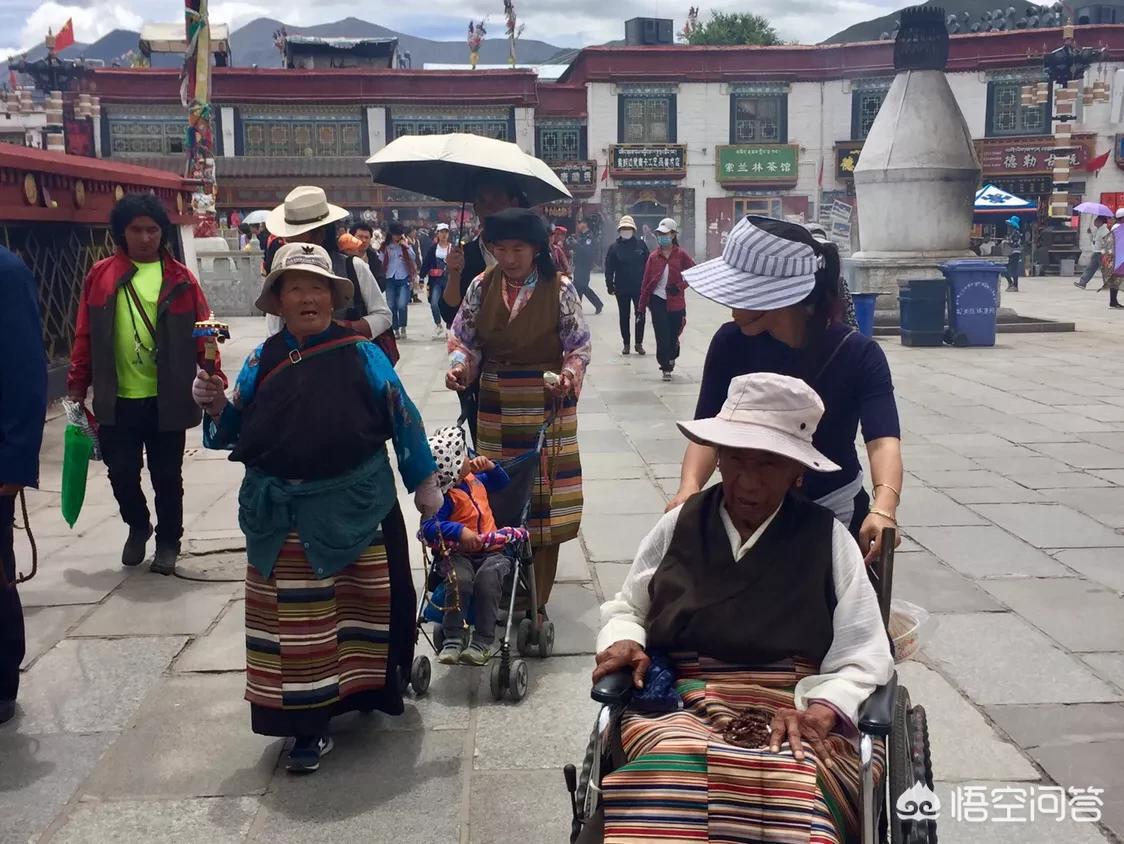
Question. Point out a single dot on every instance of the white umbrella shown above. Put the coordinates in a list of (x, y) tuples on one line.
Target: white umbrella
[(255, 218), (449, 167)]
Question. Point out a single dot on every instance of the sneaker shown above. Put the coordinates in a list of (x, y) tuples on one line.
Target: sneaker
[(402, 333), (667, 376), (304, 758), (1079, 284), (438, 332), (133, 552), (165, 560), (1012, 289), (450, 653), (1116, 305), (640, 349), (625, 350), (477, 654)]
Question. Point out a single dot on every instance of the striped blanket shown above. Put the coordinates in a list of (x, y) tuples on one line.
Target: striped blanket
[(684, 783), (312, 643), (513, 406)]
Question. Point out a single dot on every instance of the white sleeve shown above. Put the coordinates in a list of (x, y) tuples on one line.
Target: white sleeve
[(625, 616), (859, 657), (378, 312), (273, 324)]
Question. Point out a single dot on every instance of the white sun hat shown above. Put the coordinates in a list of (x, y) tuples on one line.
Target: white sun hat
[(766, 412), (309, 258), (758, 271), (304, 209)]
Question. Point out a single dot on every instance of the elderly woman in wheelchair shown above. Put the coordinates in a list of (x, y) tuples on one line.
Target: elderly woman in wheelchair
[(746, 638)]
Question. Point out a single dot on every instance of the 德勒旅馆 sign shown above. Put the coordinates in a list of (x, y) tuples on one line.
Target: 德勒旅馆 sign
[(774, 164)]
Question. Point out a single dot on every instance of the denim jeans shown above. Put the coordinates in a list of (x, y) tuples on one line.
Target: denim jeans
[(398, 298), (1091, 270), (436, 291)]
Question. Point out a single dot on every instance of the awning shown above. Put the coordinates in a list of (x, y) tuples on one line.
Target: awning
[(171, 38), (995, 203)]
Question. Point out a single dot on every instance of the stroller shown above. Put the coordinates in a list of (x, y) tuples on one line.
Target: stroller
[(510, 506)]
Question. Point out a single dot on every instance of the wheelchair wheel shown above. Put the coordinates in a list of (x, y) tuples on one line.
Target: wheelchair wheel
[(922, 832), (546, 640), (908, 757), (420, 674), (523, 634)]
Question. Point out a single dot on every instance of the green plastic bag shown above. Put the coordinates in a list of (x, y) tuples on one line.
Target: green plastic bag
[(77, 449)]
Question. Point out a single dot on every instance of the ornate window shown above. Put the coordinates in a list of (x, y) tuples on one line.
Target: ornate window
[(864, 108), (488, 122), (144, 135), (1006, 114), (560, 142), (646, 118), (269, 133), (757, 119)]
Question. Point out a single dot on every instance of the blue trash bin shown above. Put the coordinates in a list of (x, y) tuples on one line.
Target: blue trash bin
[(864, 311), (973, 300), (922, 303)]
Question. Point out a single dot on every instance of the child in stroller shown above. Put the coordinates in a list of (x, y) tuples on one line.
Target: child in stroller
[(475, 563)]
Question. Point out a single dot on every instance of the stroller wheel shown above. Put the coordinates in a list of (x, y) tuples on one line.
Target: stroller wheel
[(517, 680), (523, 634), (496, 680), (420, 674), (438, 637), (546, 639)]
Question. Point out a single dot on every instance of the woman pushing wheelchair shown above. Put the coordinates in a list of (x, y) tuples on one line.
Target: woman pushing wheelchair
[(752, 635)]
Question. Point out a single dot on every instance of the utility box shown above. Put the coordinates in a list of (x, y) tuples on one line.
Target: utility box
[(648, 31)]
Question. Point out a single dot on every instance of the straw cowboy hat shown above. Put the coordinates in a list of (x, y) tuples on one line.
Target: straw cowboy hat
[(758, 271), (766, 412), (304, 209), (309, 258)]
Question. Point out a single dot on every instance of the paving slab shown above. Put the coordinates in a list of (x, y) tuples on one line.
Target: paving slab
[(572, 564), (998, 658), (1105, 505), (1110, 666), (38, 777), (159, 605), (945, 479), (610, 467), (1092, 764), (1051, 525), (621, 497), (223, 648), (575, 611), (955, 724), (615, 538), (223, 820), (986, 551), (1080, 615), (1083, 455), (64, 579), (45, 627), (602, 441), (376, 787), (610, 576), (924, 507), (1013, 494), (549, 733), (92, 685), (454, 691), (535, 807), (921, 578), (1021, 467), (1059, 724), (191, 738), (1048, 484), (951, 830)]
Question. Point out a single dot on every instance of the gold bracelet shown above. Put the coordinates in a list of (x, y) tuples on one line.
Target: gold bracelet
[(874, 489), (874, 511)]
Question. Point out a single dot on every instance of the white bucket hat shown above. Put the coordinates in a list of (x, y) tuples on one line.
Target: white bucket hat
[(758, 271), (309, 258), (626, 223), (668, 226), (766, 412), (304, 209), (449, 451)]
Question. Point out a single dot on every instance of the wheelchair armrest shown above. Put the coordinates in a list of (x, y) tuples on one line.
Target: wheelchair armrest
[(614, 689), (876, 713)]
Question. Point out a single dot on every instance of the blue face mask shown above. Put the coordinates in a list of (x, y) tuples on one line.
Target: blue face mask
[(663, 239)]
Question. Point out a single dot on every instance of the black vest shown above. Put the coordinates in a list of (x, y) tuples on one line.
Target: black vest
[(773, 604), (316, 419)]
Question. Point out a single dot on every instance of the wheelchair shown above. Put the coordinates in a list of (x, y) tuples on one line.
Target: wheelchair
[(888, 814)]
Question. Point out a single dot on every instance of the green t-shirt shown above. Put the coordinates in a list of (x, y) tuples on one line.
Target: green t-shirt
[(136, 367)]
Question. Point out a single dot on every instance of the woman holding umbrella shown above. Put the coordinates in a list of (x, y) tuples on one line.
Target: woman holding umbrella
[(521, 332)]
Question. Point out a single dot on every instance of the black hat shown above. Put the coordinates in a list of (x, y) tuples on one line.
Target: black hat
[(516, 224)]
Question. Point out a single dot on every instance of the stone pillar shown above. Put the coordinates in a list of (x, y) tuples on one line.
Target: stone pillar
[(525, 129), (376, 129), (226, 118)]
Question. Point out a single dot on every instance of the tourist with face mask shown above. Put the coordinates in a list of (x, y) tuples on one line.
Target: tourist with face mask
[(134, 344), (624, 275), (663, 293), (783, 287)]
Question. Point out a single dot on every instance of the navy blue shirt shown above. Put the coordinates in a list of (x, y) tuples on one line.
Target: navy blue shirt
[(23, 373), (855, 387)]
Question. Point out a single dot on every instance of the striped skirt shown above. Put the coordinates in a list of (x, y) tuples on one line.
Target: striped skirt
[(318, 647), (513, 406), (685, 783)]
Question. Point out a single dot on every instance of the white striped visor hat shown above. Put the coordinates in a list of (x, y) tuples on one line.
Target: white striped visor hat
[(758, 271)]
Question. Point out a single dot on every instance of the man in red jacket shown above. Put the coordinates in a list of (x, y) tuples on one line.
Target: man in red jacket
[(134, 344)]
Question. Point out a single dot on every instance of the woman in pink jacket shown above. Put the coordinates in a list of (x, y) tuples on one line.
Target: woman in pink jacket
[(662, 293)]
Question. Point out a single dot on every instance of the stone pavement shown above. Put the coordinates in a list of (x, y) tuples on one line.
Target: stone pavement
[(132, 725)]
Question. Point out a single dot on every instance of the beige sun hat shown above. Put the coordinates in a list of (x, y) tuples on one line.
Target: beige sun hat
[(309, 258), (626, 223), (668, 226), (766, 412), (304, 209)]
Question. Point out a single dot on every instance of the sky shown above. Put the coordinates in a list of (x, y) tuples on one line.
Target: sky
[(24, 23)]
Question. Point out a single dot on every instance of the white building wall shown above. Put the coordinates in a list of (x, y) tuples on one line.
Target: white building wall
[(601, 131), (525, 129), (376, 129)]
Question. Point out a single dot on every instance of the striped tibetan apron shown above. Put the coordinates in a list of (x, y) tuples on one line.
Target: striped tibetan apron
[(683, 782)]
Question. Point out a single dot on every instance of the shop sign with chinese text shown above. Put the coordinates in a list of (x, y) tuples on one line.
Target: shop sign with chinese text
[(579, 176), (666, 160), (846, 159), (771, 164), (1029, 155)]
